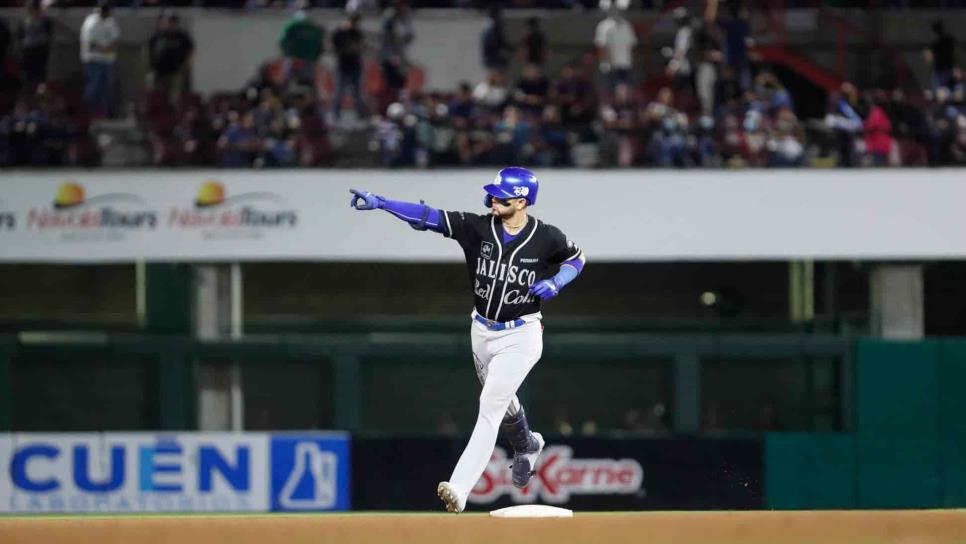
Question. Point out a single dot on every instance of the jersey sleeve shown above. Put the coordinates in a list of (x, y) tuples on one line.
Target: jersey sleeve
[(462, 226), (561, 249)]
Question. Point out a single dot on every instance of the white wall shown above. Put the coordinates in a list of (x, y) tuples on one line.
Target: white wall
[(230, 49), (613, 215)]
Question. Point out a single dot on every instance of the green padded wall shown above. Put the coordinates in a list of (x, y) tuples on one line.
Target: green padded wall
[(897, 471), (952, 380), (953, 470), (810, 471), (909, 446), (952, 410), (896, 386)]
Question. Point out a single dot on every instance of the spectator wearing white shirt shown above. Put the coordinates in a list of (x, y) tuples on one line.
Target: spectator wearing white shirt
[(492, 93), (615, 40), (99, 38), (679, 66)]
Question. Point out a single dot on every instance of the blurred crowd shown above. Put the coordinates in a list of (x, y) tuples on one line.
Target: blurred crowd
[(712, 105), (485, 4)]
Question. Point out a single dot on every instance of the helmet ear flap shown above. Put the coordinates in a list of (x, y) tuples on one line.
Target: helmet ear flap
[(488, 200)]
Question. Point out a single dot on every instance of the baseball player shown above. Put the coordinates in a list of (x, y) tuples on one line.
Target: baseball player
[(514, 261)]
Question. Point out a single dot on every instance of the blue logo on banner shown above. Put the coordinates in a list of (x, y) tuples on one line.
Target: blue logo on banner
[(310, 472)]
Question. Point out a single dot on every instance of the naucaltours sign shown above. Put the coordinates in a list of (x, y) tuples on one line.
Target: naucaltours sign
[(92, 216)]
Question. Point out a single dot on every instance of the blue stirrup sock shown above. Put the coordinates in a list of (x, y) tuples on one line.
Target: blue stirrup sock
[(517, 431)]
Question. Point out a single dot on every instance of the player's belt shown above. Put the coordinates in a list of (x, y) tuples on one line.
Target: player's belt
[(498, 325)]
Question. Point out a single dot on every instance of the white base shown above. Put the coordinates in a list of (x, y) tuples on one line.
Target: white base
[(532, 511)]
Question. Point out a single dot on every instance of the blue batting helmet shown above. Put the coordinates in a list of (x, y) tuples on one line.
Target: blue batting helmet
[(513, 182)]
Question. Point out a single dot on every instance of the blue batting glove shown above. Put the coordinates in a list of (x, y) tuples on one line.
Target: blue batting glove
[(364, 200), (545, 289)]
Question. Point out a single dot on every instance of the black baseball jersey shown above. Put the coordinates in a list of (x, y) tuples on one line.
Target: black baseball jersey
[(501, 273)]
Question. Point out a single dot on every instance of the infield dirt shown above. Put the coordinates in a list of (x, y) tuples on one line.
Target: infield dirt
[(814, 527)]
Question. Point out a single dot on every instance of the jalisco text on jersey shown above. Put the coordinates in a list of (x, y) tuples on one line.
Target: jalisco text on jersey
[(106, 217), (245, 216), (522, 276)]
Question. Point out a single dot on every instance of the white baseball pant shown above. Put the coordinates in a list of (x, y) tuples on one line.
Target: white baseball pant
[(503, 360)]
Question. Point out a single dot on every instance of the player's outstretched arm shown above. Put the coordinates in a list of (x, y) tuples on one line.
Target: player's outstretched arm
[(419, 216), (569, 270)]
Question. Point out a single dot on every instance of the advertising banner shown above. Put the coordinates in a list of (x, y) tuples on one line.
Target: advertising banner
[(180, 472), (219, 215), (593, 473)]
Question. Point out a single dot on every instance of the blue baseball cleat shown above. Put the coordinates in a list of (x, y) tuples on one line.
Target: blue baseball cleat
[(525, 462)]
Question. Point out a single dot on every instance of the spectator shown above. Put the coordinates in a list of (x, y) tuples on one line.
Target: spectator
[(195, 135), (513, 136), (845, 123), (387, 136), (786, 145), (278, 144), (620, 120), (267, 112), (496, 49), (9, 77), (727, 92), (679, 66), (731, 143), (941, 56), (348, 44), (397, 34), (668, 128), (532, 90), (958, 147), (34, 36), (770, 92), (878, 132), (533, 47), (909, 129), (99, 38), (737, 39), (709, 57), (615, 40), (755, 136), (942, 128), (552, 147), (462, 104), (957, 85), (19, 133), (428, 141), (302, 43), (32, 135), (491, 94), (239, 144), (702, 145), (437, 135), (574, 96), (476, 143), (169, 52)]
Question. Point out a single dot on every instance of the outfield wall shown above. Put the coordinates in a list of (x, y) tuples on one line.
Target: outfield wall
[(147, 473)]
